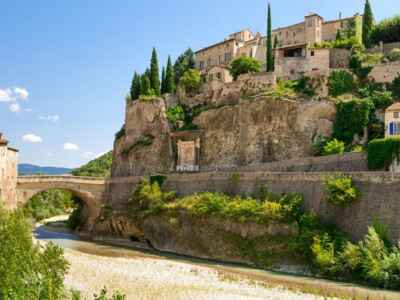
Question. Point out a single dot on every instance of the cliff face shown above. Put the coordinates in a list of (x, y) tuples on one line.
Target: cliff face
[(144, 149), (262, 130), (249, 133)]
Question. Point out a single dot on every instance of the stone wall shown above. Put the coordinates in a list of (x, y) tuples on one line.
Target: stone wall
[(384, 48), (260, 131), (385, 73), (380, 194), (339, 58), (8, 175)]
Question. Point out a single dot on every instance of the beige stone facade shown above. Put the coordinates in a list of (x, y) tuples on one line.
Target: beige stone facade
[(392, 120), (293, 43), (8, 173)]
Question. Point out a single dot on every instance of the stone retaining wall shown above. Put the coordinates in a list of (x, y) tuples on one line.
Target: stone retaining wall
[(380, 194)]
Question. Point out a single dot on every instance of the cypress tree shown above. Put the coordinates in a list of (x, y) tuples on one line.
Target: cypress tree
[(155, 73), (169, 77), (163, 81), (135, 87), (368, 23), (183, 63), (270, 58), (145, 86)]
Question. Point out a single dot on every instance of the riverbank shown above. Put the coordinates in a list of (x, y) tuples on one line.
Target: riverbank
[(144, 274)]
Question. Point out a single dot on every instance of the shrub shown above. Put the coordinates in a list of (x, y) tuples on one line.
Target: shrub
[(28, 271), (319, 144), (175, 115), (103, 295), (243, 65), (75, 219), (351, 118), (381, 99), (191, 81), (283, 88), (340, 82), (387, 31), (99, 167), (396, 87), (333, 147), (120, 133), (340, 190), (382, 152), (394, 54)]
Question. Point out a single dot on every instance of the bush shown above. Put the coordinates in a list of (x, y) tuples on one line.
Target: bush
[(340, 190), (394, 54), (243, 65), (176, 115), (382, 152), (341, 82), (103, 295), (333, 147), (351, 118), (371, 261), (387, 31), (28, 271), (319, 144), (381, 99), (191, 81), (396, 87), (148, 199)]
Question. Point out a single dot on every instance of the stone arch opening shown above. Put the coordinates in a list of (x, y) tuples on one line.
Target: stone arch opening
[(84, 201)]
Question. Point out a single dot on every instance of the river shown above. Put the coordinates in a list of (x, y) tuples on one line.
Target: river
[(145, 274)]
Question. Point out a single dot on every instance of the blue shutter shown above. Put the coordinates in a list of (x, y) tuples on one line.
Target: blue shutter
[(391, 128)]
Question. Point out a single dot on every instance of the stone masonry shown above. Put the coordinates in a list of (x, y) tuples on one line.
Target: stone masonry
[(8, 174)]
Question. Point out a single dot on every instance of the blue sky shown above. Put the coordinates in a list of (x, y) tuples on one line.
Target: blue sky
[(66, 66)]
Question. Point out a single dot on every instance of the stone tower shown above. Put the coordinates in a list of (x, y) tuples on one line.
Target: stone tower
[(313, 28), (8, 174)]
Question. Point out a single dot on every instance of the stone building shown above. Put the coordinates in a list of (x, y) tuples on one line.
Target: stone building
[(8, 173), (292, 48), (392, 120)]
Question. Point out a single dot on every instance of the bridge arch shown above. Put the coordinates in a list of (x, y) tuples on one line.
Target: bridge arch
[(89, 190)]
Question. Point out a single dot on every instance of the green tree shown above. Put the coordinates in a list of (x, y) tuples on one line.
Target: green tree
[(135, 87), (191, 81), (145, 86), (396, 87), (28, 271), (99, 167), (169, 77), (154, 73), (163, 81), (183, 63), (270, 58), (368, 24), (244, 64)]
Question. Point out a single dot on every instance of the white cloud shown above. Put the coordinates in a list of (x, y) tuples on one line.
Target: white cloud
[(5, 95), (52, 118), (21, 93), (15, 107), (71, 147), (31, 138), (13, 94)]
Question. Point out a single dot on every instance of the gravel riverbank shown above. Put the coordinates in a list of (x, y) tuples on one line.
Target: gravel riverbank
[(149, 278)]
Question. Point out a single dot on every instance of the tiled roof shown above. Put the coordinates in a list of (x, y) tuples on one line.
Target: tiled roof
[(394, 107)]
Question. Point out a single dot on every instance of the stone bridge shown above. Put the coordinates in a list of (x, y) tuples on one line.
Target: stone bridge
[(90, 190)]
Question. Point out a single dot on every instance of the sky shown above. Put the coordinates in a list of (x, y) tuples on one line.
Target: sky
[(66, 65)]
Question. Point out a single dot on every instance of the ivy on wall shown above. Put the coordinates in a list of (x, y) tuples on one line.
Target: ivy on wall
[(382, 152), (351, 118)]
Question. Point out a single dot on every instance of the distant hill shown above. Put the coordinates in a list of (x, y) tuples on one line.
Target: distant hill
[(99, 167), (28, 169)]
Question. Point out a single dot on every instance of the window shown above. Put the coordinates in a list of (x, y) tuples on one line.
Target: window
[(201, 65), (394, 128), (209, 61), (210, 77), (396, 115), (228, 57), (312, 53), (219, 75), (220, 61)]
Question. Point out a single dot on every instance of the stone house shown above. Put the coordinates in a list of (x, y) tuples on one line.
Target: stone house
[(8, 173), (293, 47), (392, 120)]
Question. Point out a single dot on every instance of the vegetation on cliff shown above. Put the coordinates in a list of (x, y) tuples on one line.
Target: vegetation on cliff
[(243, 65), (383, 152), (387, 31), (99, 167)]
